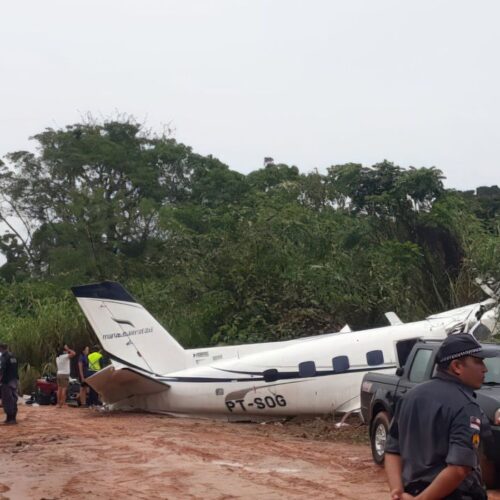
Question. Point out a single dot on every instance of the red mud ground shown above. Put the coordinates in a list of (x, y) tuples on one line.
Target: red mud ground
[(83, 454)]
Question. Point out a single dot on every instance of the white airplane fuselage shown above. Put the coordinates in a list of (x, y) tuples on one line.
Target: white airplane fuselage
[(235, 386), (310, 376)]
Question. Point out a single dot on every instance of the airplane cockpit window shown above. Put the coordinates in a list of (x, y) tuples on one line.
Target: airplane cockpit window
[(375, 358), (307, 369), (340, 364), (270, 375)]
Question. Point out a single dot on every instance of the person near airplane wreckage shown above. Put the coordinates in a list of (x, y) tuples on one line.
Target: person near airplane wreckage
[(432, 446)]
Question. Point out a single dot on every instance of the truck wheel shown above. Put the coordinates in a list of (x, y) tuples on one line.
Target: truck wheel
[(378, 436)]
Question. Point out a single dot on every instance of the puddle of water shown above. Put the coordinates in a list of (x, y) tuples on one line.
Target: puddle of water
[(280, 470)]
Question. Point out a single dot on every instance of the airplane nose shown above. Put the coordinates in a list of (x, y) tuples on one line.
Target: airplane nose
[(491, 320)]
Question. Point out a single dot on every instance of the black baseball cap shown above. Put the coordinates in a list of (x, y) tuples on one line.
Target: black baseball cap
[(463, 344)]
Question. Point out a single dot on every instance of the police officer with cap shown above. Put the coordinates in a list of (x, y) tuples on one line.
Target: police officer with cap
[(433, 439), (9, 380)]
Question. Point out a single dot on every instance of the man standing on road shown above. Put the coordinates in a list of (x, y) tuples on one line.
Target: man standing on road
[(433, 440), (9, 379), (95, 360), (63, 371)]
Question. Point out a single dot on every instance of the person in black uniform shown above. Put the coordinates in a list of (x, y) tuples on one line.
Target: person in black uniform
[(432, 443), (9, 379)]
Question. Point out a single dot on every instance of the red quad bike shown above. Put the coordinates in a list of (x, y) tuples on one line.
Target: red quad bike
[(46, 391)]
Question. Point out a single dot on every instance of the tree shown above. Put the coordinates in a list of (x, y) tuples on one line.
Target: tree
[(92, 195)]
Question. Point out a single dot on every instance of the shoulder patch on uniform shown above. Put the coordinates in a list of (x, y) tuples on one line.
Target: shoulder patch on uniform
[(475, 423), (476, 440)]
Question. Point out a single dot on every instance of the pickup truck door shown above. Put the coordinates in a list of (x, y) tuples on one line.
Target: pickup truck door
[(419, 369)]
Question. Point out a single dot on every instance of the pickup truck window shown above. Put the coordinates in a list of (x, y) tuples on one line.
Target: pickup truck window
[(419, 365), (493, 375)]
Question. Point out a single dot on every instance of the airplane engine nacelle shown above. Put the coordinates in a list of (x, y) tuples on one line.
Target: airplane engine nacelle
[(491, 320)]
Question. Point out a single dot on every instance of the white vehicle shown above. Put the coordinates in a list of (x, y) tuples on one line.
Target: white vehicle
[(308, 376)]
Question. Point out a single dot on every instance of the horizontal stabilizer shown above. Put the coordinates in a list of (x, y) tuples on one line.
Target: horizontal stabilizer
[(116, 385), (393, 318), (346, 329)]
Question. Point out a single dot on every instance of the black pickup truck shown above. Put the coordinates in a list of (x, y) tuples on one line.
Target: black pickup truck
[(380, 393)]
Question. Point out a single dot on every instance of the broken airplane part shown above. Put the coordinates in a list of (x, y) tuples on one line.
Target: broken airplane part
[(308, 376)]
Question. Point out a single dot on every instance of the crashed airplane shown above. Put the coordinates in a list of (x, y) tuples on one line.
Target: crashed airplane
[(317, 375)]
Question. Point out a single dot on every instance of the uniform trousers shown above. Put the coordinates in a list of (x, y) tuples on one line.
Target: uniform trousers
[(9, 399)]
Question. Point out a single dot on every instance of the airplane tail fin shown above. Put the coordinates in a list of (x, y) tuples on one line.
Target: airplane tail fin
[(127, 332)]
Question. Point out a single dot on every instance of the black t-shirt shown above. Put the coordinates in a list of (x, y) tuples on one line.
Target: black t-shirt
[(8, 367)]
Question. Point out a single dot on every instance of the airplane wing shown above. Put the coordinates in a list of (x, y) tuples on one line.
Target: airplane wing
[(118, 384), (393, 318)]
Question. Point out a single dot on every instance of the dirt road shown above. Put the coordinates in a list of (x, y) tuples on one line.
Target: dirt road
[(80, 453)]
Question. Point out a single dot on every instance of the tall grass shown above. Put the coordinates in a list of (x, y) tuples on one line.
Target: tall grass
[(35, 336)]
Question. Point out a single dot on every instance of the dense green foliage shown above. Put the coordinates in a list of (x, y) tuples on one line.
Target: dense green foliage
[(219, 256)]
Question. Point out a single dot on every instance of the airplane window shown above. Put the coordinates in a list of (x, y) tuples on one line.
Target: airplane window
[(307, 369), (375, 358), (270, 375), (340, 364)]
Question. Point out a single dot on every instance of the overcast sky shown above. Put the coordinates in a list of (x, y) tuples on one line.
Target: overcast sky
[(309, 83)]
